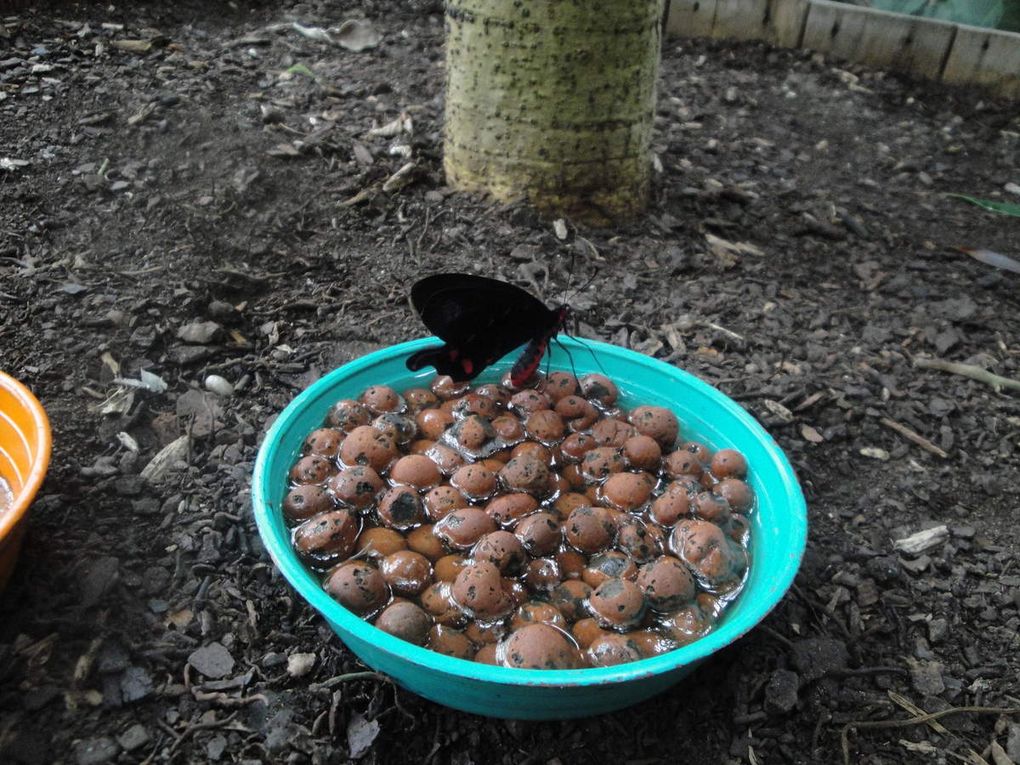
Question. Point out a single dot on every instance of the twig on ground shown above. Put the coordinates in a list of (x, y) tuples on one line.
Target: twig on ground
[(917, 438), (844, 734), (967, 370)]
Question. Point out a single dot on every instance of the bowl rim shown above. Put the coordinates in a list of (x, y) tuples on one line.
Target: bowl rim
[(287, 561), (40, 457)]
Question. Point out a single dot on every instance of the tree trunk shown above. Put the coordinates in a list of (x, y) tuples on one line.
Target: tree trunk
[(553, 101)]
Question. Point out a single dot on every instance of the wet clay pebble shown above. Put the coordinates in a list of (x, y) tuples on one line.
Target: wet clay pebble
[(589, 529), (485, 633), (657, 422), (599, 388), (420, 398), (559, 385), (711, 507), (401, 508), (432, 423), (650, 642), (713, 556), (611, 649), (682, 463), (601, 462), (474, 481), (446, 459), (473, 403), (538, 646), (356, 487), (617, 604), (628, 491), (495, 392), (348, 414), (508, 428), (462, 528), (399, 427), (447, 567), (528, 401), (670, 506), (639, 540), (576, 412), (325, 441), (575, 446), (406, 572), (526, 473), (612, 432), (586, 631), (666, 583), (571, 563), (378, 542), (642, 452), (612, 564), (328, 536), (503, 549), (313, 468), (687, 624), (443, 500), (405, 620), (738, 528), (302, 502), (446, 388), (729, 463), (381, 398), (570, 598), (565, 504), (424, 540), (542, 575), (357, 586), (533, 449), (487, 654), (367, 446), (478, 590), (737, 493), (545, 426), (539, 534), (534, 612), (415, 470), (472, 433), (437, 600), (507, 509), (449, 641)]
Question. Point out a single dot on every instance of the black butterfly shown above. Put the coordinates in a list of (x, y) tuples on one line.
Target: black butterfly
[(480, 320)]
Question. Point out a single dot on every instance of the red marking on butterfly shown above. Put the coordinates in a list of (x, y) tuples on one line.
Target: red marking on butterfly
[(480, 320)]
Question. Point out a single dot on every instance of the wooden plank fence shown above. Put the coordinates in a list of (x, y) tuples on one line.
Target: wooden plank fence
[(929, 48)]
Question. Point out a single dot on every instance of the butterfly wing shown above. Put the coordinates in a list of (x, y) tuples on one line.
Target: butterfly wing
[(479, 319)]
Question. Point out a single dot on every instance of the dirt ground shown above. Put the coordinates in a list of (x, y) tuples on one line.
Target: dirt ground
[(190, 189)]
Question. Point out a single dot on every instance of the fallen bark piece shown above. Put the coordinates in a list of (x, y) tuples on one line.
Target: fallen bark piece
[(922, 540)]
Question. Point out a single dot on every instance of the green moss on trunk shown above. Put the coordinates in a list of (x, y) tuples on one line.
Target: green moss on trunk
[(553, 101)]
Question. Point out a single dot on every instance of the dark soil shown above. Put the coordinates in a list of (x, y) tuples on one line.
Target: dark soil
[(201, 182)]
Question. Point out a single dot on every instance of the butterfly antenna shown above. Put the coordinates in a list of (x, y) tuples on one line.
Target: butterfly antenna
[(583, 287)]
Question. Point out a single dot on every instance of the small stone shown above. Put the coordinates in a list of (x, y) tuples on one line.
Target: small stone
[(815, 657), (199, 332), (215, 747), (1013, 742), (221, 309), (781, 691), (361, 733), (102, 574), (927, 677), (937, 629), (300, 664), (213, 660), (219, 385), (884, 569), (133, 737), (273, 659), (135, 684), (93, 751)]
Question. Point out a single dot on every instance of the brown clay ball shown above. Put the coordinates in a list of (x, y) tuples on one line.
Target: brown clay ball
[(538, 646), (405, 620), (357, 586)]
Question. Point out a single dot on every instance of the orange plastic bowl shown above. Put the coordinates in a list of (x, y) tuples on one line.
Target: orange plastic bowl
[(24, 457)]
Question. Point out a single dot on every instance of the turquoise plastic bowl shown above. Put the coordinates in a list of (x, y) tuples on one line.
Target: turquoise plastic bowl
[(779, 532)]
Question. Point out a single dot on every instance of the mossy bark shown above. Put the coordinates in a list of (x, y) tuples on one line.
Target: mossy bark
[(553, 101)]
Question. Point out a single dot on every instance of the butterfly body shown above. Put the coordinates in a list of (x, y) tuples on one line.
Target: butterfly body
[(480, 320)]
